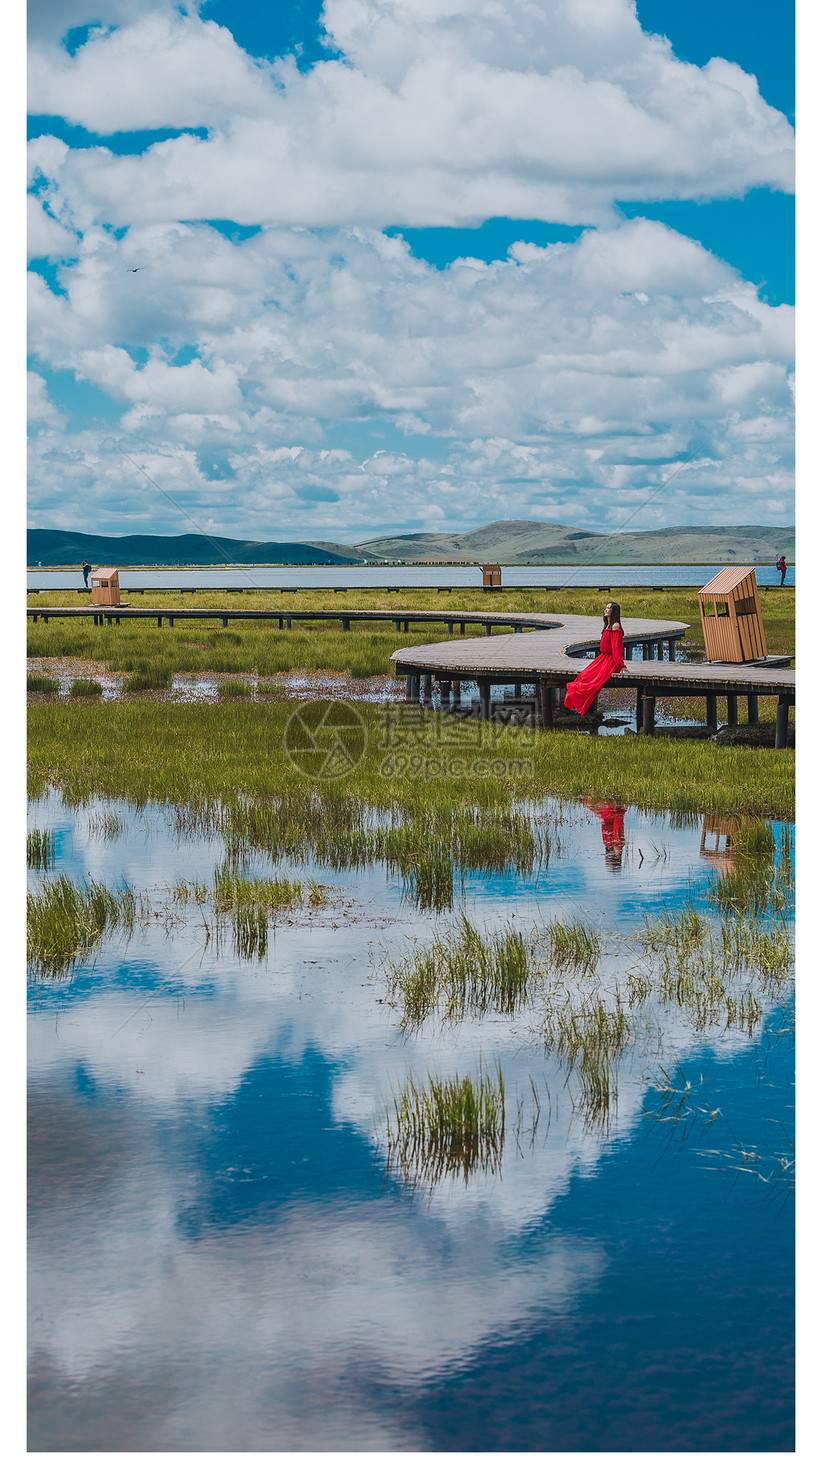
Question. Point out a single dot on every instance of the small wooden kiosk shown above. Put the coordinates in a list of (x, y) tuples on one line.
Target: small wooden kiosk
[(491, 575), (730, 616), (105, 586)]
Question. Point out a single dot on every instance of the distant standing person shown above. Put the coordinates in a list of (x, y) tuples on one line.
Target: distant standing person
[(583, 690), (86, 572), (782, 567)]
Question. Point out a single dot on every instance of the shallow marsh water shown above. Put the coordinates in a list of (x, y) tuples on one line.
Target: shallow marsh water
[(220, 1260)]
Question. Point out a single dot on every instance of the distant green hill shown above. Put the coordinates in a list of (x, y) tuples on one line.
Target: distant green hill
[(509, 541), (520, 541), (65, 547)]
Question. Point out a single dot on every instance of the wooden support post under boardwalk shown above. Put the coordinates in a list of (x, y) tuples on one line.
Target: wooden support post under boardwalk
[(488, 628), (457, 693), (638, 709), (731, 708), (287, 622), (408, 686), (414, 686), (781, 727), (444, 687), (484, 700), (449, 629), (711, 710), (751, 700), (281, 622), (648, 715), (517, 690), (546, 701), (428, 688), (345, 623), (224, 622), (463, 628), (159, 621), (671, 645), (407, 626)]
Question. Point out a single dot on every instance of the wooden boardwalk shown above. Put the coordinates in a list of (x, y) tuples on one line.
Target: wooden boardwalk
[(549, 659)]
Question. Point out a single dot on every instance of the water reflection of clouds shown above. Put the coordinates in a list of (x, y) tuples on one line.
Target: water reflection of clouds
[(187, 1237), (220, 1332)]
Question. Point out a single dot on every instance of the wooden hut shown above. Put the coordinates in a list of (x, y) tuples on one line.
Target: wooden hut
[(490, 575), (105, 586), (730, 616)]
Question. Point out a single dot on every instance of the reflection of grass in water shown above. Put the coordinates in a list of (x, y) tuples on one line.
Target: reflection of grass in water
[(40, 849), (108, 825), (445, 1128), (65, 921), (589, 1038)]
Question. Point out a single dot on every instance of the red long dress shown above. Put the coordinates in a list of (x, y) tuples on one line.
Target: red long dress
[(583, 690)]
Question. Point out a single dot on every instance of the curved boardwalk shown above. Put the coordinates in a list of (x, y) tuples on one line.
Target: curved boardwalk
[(551, 658)]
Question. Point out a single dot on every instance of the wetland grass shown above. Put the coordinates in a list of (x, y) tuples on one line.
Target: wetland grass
[(203, 751), (41, 683), (148, 674), (40, 849), (570, 945), (462, 973), (445, 1128), (85, 688), (235, 891), (64, 921)]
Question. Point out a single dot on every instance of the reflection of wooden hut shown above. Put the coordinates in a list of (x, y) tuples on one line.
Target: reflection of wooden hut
[(491, 575), (105, 586), (730, 616), (717, 842)]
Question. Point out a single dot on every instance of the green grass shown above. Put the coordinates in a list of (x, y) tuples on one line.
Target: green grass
[(461, 973), (364, 651), (233, 688), (148, 675), (40, 849), (445, 1127), (41, 683), (203, 753), (85, 688), (569, 945), (64, 922), (233, 890)]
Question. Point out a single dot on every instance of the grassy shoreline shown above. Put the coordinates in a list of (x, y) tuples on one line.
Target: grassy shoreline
[(220, 752)]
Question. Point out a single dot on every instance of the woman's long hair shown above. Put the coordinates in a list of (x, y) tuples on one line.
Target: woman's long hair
[(614, 616)]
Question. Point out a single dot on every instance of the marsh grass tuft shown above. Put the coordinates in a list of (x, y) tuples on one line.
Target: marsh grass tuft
[(235, 688), (463, 972), (40, 849), (445, 1128), (41, 683), (85, 688), (148, 675), (65, 921), (570, 945)]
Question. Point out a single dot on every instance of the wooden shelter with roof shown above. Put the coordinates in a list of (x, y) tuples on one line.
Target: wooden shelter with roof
[(105, 586), (730, 616)]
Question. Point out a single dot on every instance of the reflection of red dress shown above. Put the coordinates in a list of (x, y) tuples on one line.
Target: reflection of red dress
[(583, 691), (612, 824)]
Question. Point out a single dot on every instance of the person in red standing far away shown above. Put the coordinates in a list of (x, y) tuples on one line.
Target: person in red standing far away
[(781, 566), (583, 690)]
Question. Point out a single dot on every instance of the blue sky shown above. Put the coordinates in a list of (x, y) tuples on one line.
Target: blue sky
[(407, 266)]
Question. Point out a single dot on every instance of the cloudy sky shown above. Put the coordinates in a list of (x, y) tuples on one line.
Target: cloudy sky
[(381, 265)]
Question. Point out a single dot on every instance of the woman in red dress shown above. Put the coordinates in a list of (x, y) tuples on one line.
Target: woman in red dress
[(583, 691)]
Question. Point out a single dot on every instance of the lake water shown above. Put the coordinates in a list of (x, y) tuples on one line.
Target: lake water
[(365, 577), (220, 1259)]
